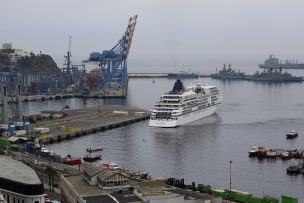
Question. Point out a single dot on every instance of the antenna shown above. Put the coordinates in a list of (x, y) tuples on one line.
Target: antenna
[(69, 55)]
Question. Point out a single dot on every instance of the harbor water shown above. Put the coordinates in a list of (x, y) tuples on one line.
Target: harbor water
[(252, 114)]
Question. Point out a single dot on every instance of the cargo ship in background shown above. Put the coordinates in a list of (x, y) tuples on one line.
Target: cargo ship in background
[(274, 63), (185, 105)]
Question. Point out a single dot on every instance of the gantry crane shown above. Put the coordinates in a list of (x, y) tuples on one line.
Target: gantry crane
[(113, 63)]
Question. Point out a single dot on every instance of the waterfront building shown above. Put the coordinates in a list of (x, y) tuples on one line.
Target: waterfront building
[(19, 183), (103, 185), (97, 184)]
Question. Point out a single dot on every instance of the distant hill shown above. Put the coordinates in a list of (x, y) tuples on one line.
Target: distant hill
[(36, 63), (32, 63)]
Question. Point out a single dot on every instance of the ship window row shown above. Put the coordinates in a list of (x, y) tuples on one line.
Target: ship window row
[(171, 97), (167, 106), (165, 110), (170, 101), (164, 118)]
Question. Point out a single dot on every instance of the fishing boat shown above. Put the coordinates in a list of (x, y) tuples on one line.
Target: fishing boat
[(111, 165), (72, 160), (94, 149), (292, 169), (253, 151), (286, 155), (271, 153), (262, 152), (139, 175), (92, 157), (292, 134)]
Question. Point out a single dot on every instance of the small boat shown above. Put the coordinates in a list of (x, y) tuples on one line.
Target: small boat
[(139, 175), (94, 149), (292, 169), (71, 160), (44, 151), (286, 155), (292, 134), (271, 153), (111, 165), (253, 151), (261, 152), (92, 157)]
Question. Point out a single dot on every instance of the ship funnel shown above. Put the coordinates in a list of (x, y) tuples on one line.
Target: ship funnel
[(178, 86)]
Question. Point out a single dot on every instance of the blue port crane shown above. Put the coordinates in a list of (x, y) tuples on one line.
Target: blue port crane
[(113, 62)]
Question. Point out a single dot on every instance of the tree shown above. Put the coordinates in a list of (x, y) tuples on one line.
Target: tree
[(51, 172)]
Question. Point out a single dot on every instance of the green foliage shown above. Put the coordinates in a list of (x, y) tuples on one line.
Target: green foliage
[(268, 199), (36, 63), (50, 171)]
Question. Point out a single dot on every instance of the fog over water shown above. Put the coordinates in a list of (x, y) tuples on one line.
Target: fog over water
[(169, 34)]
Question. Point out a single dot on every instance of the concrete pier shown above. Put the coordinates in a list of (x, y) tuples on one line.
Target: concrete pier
[(81, 122)]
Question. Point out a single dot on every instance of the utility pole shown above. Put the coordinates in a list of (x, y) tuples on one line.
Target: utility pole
[(230, 162)]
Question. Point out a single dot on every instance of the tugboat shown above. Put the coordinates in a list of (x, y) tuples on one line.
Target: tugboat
[(292, 134), (253, 152), (92, 157)]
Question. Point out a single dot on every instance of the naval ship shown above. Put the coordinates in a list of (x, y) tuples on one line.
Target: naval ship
[(274, 63), (270, 75), (228, 74)]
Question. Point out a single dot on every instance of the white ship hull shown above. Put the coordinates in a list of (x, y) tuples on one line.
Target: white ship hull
[(183, 119)]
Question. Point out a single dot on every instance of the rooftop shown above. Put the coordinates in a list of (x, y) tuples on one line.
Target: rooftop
[(122, 197), (17, 171), (82, 187), (92, 171)]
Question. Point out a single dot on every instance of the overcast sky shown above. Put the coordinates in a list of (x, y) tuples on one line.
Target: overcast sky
[(169, 33)]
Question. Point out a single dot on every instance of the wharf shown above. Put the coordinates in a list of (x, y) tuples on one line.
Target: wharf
[(79, 122)]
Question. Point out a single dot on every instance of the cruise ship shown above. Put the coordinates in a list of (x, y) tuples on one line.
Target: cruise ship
[(185, 105)]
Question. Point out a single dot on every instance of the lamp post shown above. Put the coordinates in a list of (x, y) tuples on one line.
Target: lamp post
[(230, 162)]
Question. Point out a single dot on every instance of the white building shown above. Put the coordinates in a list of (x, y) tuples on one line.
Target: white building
[(17, 54), (19, 183)]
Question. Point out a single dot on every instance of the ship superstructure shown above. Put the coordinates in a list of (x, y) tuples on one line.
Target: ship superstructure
[(274, 63), (228, 74), (185, 105)]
